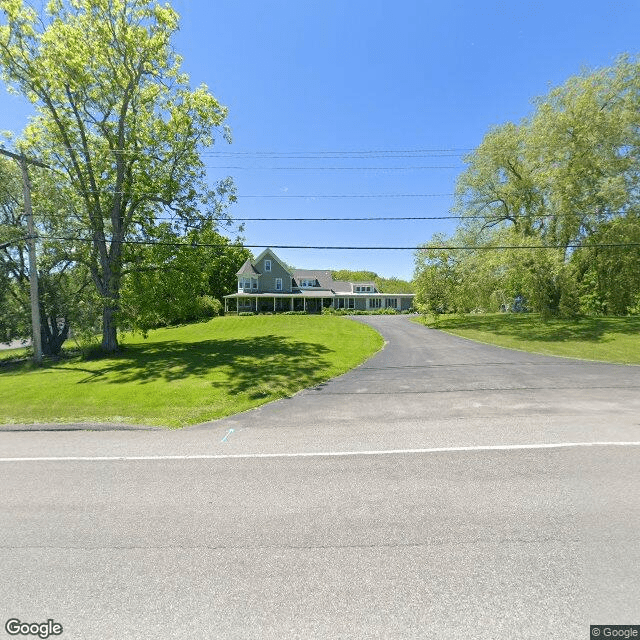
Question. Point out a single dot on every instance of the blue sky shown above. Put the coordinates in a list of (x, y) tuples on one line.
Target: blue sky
[(312, 86)]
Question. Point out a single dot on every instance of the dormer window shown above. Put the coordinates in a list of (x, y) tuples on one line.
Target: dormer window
[(267, 265)]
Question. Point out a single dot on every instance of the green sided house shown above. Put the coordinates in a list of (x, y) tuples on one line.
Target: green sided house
[(267, 284)]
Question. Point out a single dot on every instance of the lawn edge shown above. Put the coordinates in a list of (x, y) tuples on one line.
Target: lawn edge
[(125, 426), (538, 353)]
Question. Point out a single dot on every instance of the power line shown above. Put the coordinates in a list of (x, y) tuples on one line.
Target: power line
[(425, 247), (373, 218), (344, 152), (310, 196), (352, 195), (386, 153), (333, 156), (235, 168), (48, 216), (335, 219)]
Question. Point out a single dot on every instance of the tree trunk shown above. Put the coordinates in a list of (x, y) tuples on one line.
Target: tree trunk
[(111, 297), (109, 328), (53, 337)]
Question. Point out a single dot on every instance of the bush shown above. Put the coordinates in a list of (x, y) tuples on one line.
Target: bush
[(207, 307), (359, 312), (246, 313), (295, 313), (389, 311)]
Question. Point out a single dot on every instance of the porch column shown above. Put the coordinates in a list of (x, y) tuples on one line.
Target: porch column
[(291, 301), (274, 304), (304, 304)]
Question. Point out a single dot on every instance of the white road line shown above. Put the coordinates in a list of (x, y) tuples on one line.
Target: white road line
[(323, 454)]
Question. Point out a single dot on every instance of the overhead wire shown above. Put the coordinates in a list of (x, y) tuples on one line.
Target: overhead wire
[(307, 154), (332, 219), (352, 154), (424, 247)]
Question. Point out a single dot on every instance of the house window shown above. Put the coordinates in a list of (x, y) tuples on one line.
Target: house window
[(352, 303), (278, 284), (246, 283), (391, 303), (375, 303), (267, 265)]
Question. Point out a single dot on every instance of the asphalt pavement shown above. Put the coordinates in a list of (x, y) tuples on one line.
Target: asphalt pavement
[(442, 489)]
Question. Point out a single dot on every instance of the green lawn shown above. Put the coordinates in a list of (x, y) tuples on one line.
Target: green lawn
[(190, 374), (606, 339), (12, 354)]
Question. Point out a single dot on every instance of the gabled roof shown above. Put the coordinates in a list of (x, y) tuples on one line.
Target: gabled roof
[(274, 257), (248, 267)]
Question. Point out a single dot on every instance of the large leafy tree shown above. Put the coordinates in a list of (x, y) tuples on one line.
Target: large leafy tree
[(119, 122), (181, 283), (499, 185), (566, 169), (561, 189)]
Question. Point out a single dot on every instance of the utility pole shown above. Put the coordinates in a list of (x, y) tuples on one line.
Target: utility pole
[(36, 336)]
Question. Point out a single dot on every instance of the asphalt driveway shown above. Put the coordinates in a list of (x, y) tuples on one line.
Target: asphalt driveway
[(427, 388)]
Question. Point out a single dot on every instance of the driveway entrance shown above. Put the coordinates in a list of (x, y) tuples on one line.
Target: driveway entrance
[(428, 388)]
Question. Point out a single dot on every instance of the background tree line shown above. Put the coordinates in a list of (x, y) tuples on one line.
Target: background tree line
[(549, 208), (383, 285)]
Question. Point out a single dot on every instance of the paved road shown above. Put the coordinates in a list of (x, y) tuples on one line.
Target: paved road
[(449, 536), (14, 344)]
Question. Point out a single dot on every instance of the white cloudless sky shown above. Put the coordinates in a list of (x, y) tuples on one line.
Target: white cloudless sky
[(373, 99)]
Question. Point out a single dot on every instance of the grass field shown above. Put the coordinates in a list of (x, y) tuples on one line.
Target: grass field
[(605, 339), (190, 374), (13, 354)]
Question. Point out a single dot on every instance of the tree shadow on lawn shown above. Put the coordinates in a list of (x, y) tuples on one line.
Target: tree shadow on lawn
[(532, 329), (256, 366)]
